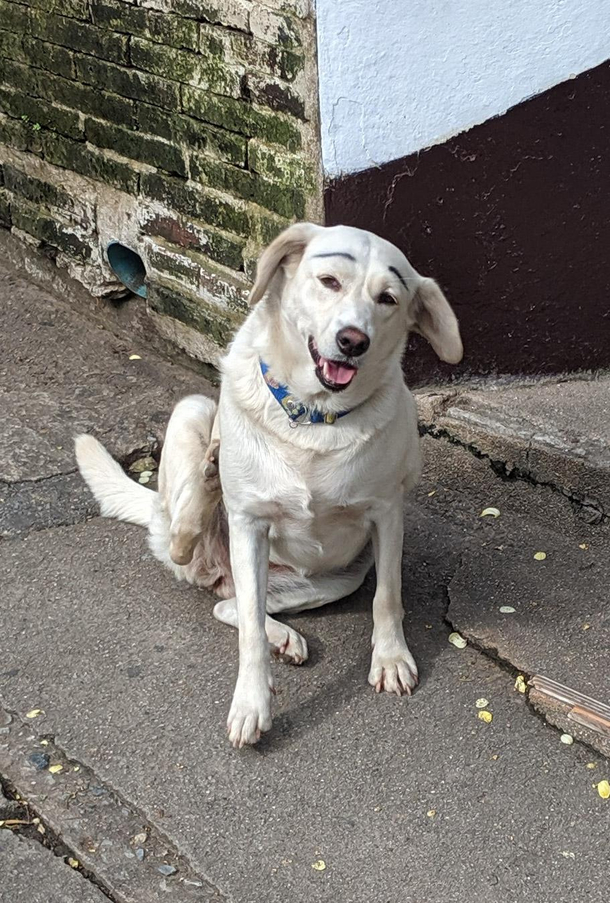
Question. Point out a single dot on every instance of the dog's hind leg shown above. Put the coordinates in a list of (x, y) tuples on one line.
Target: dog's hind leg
[(286, 644), (291, 592), (189, 495)]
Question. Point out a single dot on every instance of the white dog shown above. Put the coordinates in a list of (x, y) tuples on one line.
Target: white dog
[(319, 444)]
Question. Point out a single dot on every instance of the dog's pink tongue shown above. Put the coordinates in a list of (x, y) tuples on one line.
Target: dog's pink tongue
[(337, 373)]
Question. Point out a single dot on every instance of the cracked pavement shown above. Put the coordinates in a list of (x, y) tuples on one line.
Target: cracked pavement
[(394, 800)]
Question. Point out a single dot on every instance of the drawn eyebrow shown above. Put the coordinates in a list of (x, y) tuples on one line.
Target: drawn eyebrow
[(396, 273), (337, 254)]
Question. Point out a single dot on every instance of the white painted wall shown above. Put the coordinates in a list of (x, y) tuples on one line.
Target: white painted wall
[(397, 76)]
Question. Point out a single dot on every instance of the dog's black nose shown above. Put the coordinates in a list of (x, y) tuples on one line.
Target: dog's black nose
[(352, 342)]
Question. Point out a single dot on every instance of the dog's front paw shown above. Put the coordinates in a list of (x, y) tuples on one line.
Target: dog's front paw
[(250, 715), (394, 670)]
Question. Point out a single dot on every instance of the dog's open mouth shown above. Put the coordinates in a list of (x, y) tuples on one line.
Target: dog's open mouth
[(334, 375)]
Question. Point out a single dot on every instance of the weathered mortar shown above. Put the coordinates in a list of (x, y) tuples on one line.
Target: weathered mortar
[(185, 129)]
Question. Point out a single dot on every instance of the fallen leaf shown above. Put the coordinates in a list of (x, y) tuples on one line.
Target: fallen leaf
[(507, 609), (457, 640), (490, 512), (583, 546), (34, 713), (135, 357), (74, 863), (568, 739), (540, 556), (603, 788), (520, 684), (486, 716), (482, 703), (55, 769), (319, 865)]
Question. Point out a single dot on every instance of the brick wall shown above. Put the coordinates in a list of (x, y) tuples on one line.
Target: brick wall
[(185, 129)]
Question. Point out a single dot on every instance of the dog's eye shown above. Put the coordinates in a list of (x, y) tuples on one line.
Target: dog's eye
[(330, 282), (386, 298)]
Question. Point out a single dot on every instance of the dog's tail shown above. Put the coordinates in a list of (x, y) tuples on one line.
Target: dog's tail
[(118, 496)]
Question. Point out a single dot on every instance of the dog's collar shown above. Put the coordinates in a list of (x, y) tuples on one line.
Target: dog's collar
[(298, 413)]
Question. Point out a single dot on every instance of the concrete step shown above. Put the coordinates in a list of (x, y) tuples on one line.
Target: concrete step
[(550, 433)]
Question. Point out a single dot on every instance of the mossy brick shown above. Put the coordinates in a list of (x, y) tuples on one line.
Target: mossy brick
[(164, 27), (274, 94), (188, 234), (50, 57), (19, 135), (19, 76), (280, 199), (175, 266), (207, 72), (264, 227), (241, 116), (11, 46), (250, 51), (87, 161), (279, 166), (79, 36), (192, 133), (76, 9), (38, 113), (220, 284), (5, 209), (136, 146), (88, 100), (191, 311), (276, 28), (14, 17), (128, 82), (42, 226), (190, 199), (234, 13), (37, 191)]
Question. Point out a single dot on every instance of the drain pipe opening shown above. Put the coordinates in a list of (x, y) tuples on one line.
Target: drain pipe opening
[(128, 267)]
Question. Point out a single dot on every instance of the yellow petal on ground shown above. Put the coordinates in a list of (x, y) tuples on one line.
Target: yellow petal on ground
[(520, 684), (583, 546), (319, 865), (486, 716), (34, 713), (482, 703), (44, 742), (431, 813), (540, 556), (603, 788), (457, 640), (490, 512), (55, 769), (430, 494), (74, 863), (591, 765), (586, 627), (568, 739), (135, 357), (507, 609)]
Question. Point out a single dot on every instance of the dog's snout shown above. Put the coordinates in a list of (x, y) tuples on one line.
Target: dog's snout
[(352, 342)]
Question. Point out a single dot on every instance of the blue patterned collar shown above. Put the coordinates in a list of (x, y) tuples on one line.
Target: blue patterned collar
[(298, 413)]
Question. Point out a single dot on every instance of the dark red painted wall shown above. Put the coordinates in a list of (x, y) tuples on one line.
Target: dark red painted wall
[(513, 219)]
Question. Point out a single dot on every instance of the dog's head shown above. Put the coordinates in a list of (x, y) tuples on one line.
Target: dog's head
[(350, 298)]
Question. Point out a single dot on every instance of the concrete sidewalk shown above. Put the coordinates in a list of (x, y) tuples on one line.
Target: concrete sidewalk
[(352, 796)]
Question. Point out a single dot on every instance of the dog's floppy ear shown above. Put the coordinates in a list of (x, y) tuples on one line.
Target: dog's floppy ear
[(435, 320), (289, 243)]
